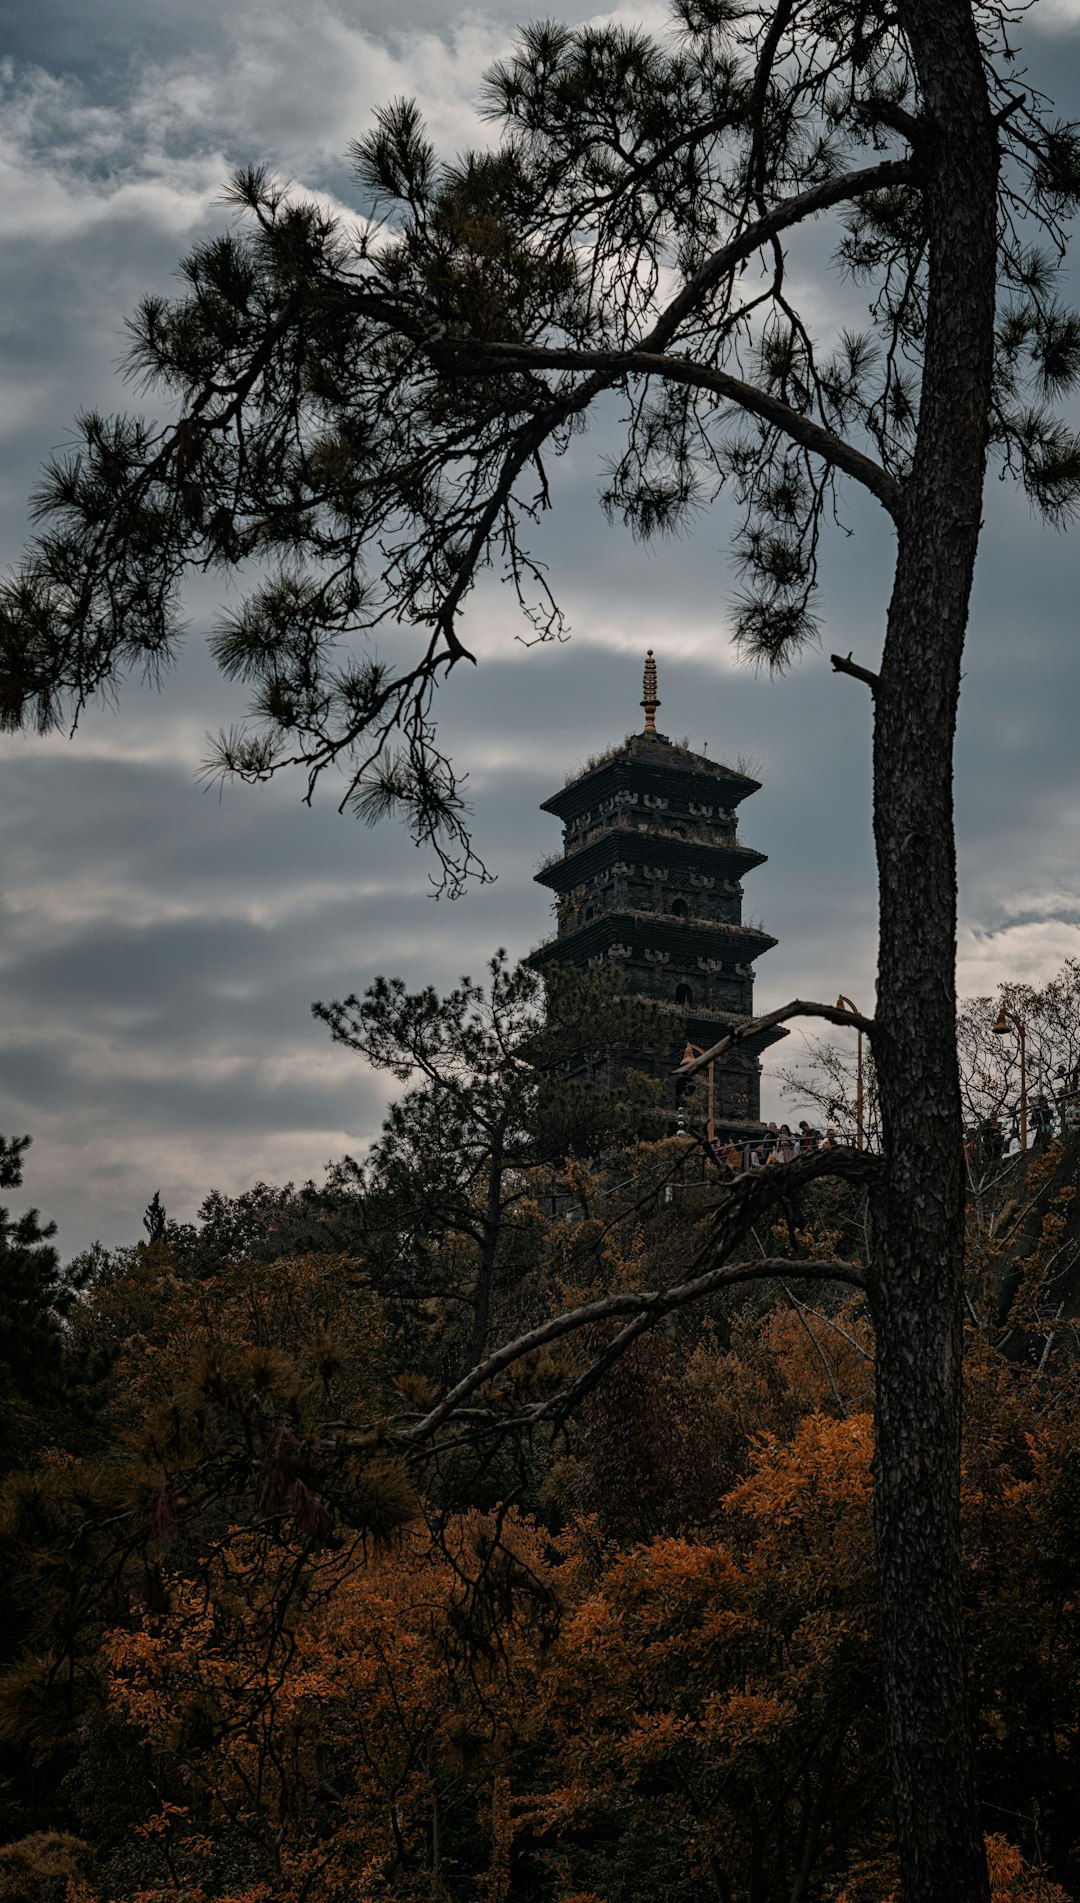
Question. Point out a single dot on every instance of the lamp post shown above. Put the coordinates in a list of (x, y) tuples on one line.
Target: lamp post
[(692, 1051), (1001, 1029), (845, 1004)]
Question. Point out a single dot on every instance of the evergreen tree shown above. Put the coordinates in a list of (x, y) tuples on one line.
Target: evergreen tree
[(35, 1297), (155, 1221), (502, 1082)]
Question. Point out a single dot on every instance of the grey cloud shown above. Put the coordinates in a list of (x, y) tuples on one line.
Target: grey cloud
[(159, 948)]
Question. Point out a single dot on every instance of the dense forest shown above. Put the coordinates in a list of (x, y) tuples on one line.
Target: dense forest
[(610, 1631)]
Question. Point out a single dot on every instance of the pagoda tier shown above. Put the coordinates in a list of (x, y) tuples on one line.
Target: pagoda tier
[(626, 850), (664, 773), (686, 961)]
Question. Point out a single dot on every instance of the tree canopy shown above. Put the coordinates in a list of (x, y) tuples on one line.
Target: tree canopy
[(261, 1645), (367, 406)]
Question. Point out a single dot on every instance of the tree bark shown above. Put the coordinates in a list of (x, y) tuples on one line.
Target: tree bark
[(919, 1208)]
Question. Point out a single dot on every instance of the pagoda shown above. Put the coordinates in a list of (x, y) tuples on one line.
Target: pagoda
[(650, 878)]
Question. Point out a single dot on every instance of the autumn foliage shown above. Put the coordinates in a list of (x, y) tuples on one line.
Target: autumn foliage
[(260, 1652)]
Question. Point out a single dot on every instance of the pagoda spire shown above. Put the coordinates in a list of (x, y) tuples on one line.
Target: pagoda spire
[(649, 701)]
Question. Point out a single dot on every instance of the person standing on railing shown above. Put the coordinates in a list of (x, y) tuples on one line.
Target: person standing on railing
[(1042, 1121)]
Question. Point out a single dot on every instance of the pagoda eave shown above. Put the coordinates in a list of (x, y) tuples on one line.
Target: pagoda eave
[(624, 845), (655, 932), (655, 769)]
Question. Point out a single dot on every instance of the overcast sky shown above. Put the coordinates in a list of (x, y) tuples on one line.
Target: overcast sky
[(160, 946)]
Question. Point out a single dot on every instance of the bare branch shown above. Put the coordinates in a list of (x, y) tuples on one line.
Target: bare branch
[(886, 112), (646, 1306), (748, 1199), (798, 1008), (768, 1268), (801, 1313), (843, 664), (1015, 104)]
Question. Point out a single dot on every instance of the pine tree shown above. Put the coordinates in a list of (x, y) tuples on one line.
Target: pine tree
[(155, 1221), (35, 1296), (500, 1086)]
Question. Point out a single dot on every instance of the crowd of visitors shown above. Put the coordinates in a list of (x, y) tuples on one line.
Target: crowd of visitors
[(777, 1144), (985, 1144), (988, 1143)]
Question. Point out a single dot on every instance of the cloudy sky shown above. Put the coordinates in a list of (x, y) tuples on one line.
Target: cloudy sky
[(160, 946)]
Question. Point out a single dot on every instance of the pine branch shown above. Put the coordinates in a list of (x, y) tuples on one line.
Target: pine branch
[(788, 213), (473, 359)]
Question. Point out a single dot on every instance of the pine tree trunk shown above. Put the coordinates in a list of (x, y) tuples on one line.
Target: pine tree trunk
[(919, 1212)]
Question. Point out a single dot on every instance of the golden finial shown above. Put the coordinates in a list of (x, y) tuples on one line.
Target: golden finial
[(649, 699)]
